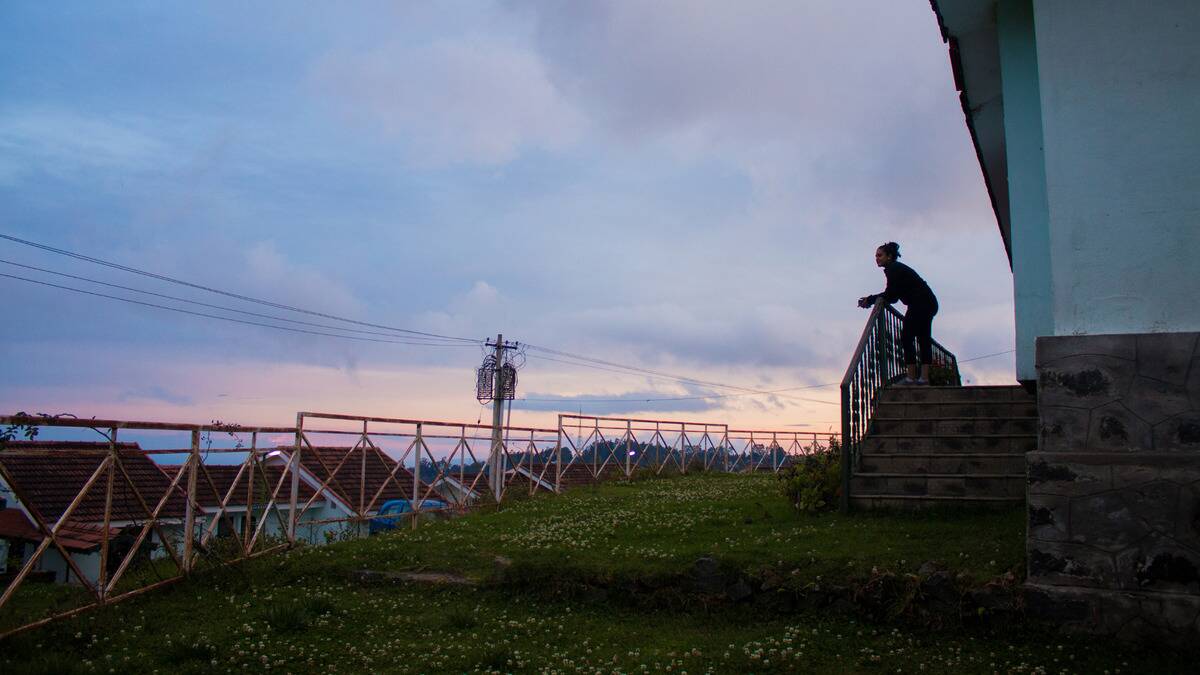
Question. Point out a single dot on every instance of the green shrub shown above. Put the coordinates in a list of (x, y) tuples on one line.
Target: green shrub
[(942, 376), (814, 482), (460, 619), (285, 618), (319, 605)]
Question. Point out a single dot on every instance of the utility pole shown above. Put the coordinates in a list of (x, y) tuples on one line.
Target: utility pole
[(496, 459)]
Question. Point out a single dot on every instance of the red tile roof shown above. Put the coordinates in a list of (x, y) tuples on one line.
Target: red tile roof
[(14, 524), (50, 474), (266, 477), (349, 479)]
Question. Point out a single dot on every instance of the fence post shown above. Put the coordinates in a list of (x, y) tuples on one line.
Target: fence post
[(628, 447), (189, 520), (558, 458), (248, 519), (108, 498), (362, 476), (725, 451), (683, 444), (292, 499), (420, 443)]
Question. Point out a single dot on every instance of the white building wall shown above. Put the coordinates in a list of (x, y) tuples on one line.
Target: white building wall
[(52, 561), (1120, 94)]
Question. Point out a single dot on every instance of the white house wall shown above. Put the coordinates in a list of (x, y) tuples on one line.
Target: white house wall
[(1121, 126), (52, 561)]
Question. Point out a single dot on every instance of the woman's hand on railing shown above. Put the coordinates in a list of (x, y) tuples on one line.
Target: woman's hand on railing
[(865, 302)]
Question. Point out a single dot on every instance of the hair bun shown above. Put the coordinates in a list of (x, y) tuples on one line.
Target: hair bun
[(891, 248)]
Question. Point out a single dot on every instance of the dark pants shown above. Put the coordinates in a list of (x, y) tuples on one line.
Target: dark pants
[(918, 324)]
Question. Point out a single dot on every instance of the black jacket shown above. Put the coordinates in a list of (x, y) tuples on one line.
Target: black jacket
[(905, 285)]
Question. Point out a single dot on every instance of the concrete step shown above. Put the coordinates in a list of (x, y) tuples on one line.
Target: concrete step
[(938, 446), (949, 426), (899, 394), (963, 408), (948, 443), (911, 502), (1005, 486), (944, 463)]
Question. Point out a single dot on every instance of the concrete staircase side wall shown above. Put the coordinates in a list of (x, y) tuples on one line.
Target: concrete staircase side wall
[(1114, 487)]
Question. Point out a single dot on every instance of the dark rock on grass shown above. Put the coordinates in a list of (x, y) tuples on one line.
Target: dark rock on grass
[(772, 580), (707, 576), (929, 567), (501, 567), (993, 601), (709, 579), (738, 591), (375, 577), (940, 588)]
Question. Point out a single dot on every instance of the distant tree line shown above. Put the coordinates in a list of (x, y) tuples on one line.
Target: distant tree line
[(599, 452)]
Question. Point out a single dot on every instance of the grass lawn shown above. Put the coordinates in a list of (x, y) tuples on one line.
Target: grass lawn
[(300, 612), (658, 527)]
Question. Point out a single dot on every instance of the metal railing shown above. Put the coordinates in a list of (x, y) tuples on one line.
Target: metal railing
[(167, 532), (878, 361), (626, 445), (427, 460), (224, 493)]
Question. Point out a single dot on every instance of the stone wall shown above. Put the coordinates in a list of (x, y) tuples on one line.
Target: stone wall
[(1114, 489)]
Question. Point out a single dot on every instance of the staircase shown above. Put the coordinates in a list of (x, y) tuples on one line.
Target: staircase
[(928, 446)]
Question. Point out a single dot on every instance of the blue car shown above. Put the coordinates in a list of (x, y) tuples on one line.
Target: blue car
[(395, 508)]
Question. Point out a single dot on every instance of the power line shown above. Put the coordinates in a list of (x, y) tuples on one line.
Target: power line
[(746, 392), (412, 337), (616, 367), (715, 396), (651, 400), (987, 356), (226, 318), (652, 373), (239, 296), (645, 371), (220, 307)]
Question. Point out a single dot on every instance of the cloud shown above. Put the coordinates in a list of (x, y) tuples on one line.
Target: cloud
[(758, 335), (154, 393), (63, 143), (471, 99), (647, 401), (689, 186), (808, 99)]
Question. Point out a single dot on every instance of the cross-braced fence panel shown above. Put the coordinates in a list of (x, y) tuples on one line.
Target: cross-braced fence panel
[(612, 446), (111, 509)]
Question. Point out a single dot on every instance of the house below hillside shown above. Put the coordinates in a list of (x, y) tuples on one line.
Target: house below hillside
[(358, 482), (236, 500), (50, 475)]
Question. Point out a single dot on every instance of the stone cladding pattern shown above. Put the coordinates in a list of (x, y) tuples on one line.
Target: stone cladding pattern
[(1114, 488)]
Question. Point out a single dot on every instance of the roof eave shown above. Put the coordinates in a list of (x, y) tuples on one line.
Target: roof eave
[(972, 31)]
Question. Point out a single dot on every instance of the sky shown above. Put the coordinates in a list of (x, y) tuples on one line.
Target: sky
[(690, 187)]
